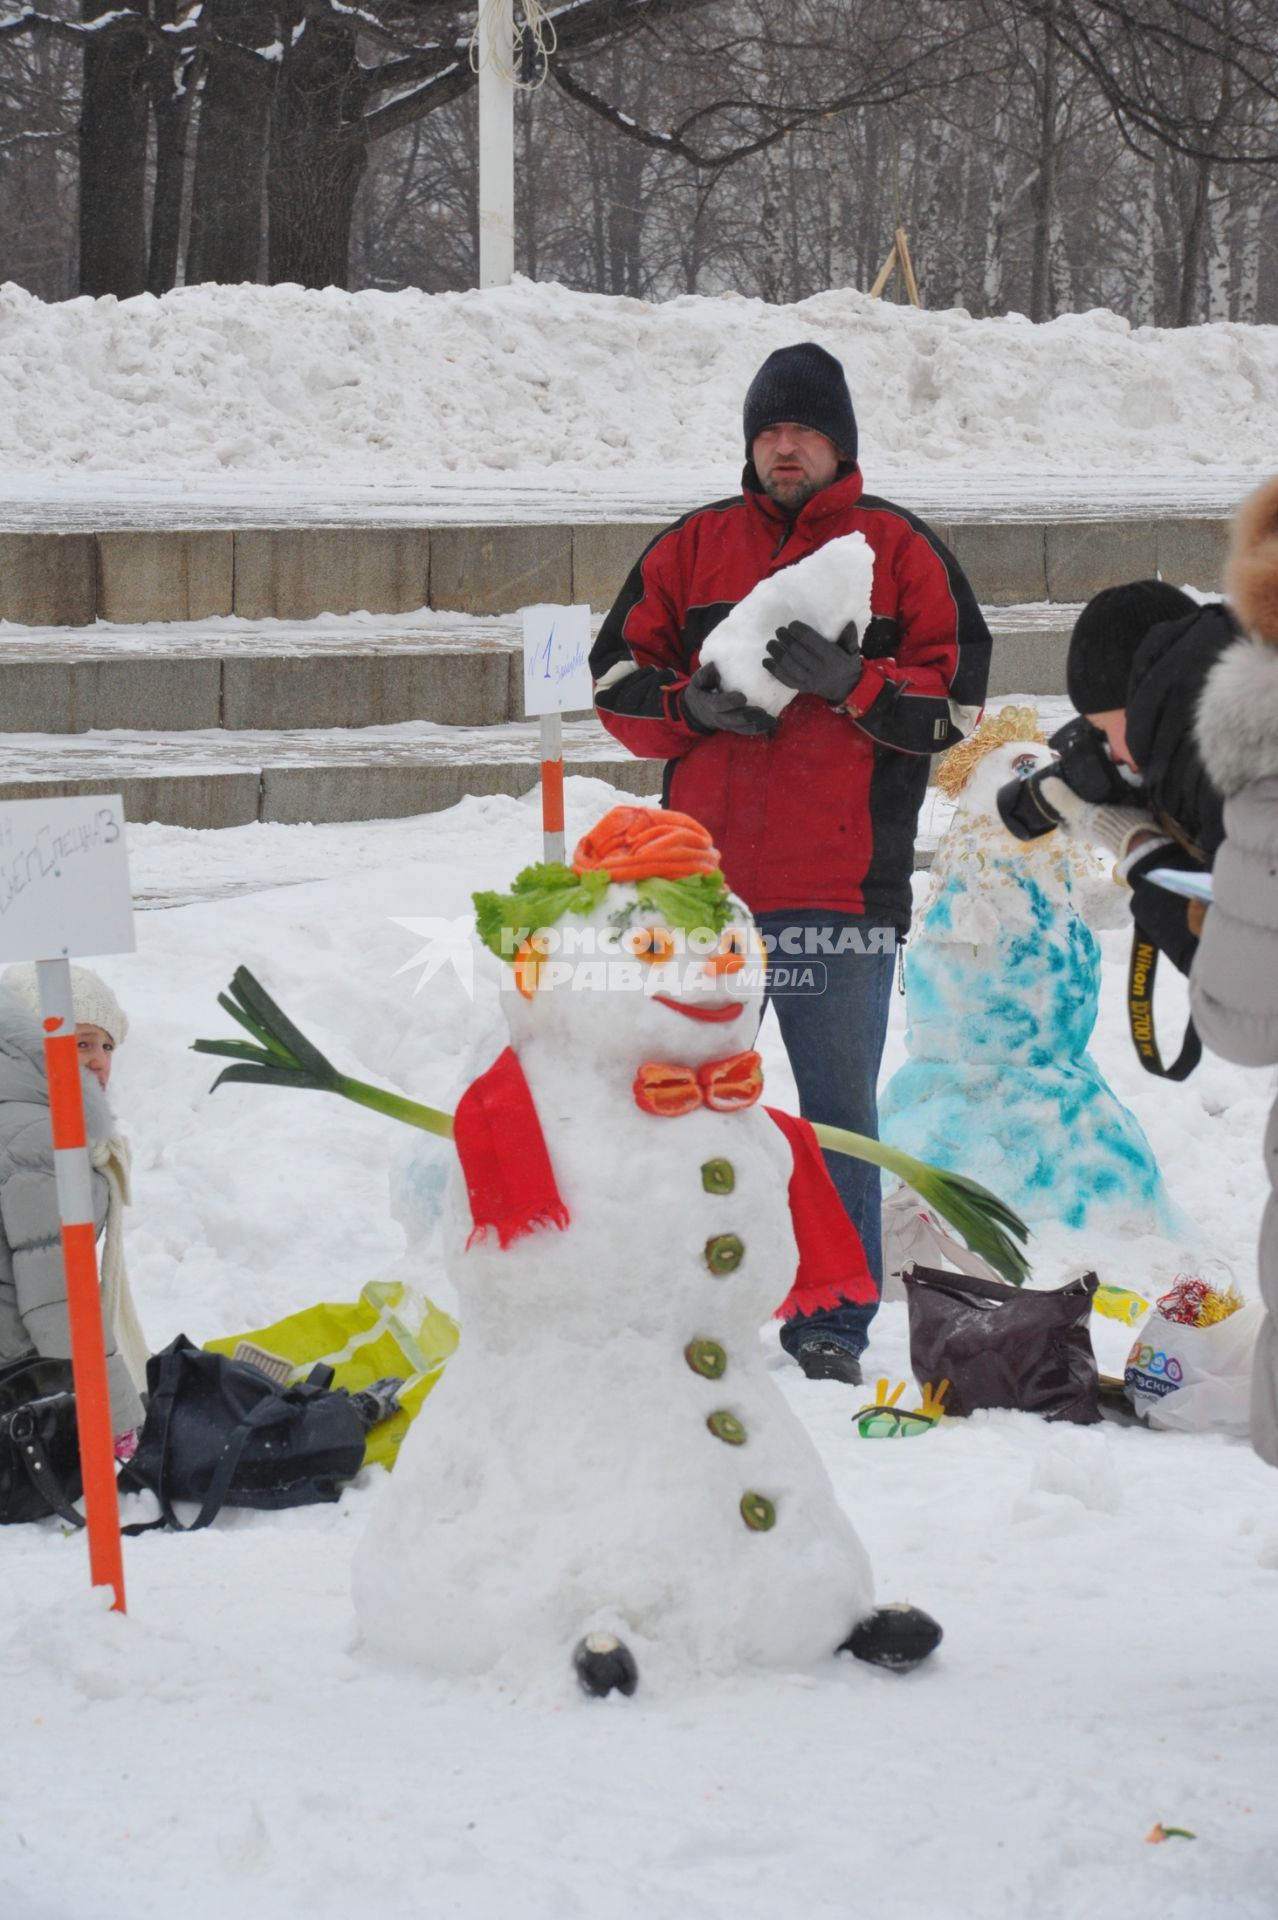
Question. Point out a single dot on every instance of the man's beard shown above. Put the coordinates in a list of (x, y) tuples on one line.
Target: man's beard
[(790, 495)]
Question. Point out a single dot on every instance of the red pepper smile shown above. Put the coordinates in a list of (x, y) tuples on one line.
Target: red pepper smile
[(725, 1012)]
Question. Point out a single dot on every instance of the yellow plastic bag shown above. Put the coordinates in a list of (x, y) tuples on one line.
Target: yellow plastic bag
[(364, 1341)]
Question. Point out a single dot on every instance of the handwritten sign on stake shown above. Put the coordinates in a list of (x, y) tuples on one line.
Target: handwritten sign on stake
[(64, 889), (557, 660), (556, 681)]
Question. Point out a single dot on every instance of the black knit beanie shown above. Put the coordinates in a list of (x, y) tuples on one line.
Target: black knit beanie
[(804, 384), (1107, 637)]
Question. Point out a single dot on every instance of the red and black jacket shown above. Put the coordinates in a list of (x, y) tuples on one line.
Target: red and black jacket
[(822, 813)]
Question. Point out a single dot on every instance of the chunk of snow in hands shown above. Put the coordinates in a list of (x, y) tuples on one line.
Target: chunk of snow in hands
[(826, 590)]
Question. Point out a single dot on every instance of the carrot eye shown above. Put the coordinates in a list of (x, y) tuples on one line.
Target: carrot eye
[(532, 952), (653, 945)]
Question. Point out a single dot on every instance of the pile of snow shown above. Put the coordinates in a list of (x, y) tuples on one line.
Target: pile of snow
[(533, 378), (827, 590)]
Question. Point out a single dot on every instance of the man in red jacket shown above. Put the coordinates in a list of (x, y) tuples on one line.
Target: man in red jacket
[(815, 814)]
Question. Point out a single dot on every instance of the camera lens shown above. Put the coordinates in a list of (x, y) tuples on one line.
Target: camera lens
[(1023, 809)]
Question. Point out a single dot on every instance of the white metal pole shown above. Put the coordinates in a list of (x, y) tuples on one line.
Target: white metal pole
[(496, 143)]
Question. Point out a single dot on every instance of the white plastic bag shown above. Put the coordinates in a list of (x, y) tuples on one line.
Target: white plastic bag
[(1195, 1379), (913, 1235)]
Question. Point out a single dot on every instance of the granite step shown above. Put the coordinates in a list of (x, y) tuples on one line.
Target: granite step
[(219, 778), (452, 670)]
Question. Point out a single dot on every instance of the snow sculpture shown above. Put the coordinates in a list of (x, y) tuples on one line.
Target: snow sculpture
[(826, 590), (607, 1453), (1002, 984)]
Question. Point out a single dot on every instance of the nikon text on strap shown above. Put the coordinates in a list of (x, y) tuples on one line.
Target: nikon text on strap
[(1140, 1014)]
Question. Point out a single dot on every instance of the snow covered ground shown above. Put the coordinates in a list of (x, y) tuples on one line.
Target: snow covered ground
[(1110, 1596), (335, 403)]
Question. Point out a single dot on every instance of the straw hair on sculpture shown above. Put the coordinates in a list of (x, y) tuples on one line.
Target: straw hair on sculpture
[(999, 729)]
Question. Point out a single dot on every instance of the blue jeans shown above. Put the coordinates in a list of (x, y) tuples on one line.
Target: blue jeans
[(834, 1039)]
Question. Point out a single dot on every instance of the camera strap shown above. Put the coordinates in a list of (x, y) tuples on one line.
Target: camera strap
[(1140, 1015)]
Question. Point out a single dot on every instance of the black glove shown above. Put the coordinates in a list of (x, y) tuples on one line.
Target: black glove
[(798, 657), (379, 1401), (710, 708)]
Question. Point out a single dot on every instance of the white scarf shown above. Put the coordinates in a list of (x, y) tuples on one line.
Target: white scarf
[(113, 1157)]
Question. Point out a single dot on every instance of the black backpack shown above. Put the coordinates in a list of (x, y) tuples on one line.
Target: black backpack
[(220, 1432)]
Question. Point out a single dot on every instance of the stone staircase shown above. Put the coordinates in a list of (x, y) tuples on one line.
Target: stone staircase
[(221, 675)]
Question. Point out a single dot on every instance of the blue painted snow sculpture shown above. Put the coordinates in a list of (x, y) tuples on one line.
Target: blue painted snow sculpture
[(1002, 980)]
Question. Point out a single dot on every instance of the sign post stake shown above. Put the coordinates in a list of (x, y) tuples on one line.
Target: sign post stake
[(74, 1176), (552, 785), (556, 681), (64, 892)]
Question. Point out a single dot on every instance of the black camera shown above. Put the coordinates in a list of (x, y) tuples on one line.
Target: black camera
[(1082, 762)]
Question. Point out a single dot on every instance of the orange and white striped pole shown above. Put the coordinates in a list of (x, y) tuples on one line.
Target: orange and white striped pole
[(84, 1301), (552, 785)]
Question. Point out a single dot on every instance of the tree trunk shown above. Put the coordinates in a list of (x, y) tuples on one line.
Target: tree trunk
[(1044, 195), (1251, 229), (1195, 233), (318, 154), (230, 157), (996, 218), (172, 84), (1219, 255), (1145, 289), (113, 138), (1061, 276), (527, 183)]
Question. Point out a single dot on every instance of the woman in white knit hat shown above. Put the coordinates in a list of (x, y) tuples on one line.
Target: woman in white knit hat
[(33, 1304)]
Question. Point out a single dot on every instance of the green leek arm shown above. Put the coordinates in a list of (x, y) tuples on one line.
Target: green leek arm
[(284, 1057), (279, 1055)]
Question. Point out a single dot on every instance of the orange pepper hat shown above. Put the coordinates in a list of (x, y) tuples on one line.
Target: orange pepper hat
[(646, 843)]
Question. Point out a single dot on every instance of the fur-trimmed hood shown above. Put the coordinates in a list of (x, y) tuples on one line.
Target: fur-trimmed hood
[(1238, 717), (22, 1074), (1251, 573)]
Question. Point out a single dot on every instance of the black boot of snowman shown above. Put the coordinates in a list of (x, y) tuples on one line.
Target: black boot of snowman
[(604, 1664), (897, 1637)]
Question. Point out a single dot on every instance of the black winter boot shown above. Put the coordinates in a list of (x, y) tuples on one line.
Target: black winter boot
[(897, 1636), (603, 1662), (827, 1360)]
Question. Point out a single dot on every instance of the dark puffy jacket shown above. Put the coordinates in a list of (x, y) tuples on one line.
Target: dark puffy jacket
[(1166, 684), (822, 813)]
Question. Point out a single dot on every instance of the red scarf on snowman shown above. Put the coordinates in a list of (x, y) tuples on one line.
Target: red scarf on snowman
[(512, 1189)]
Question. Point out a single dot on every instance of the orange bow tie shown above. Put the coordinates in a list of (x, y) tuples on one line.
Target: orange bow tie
[(725, 1086)]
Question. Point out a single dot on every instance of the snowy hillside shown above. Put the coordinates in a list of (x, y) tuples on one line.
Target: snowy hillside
[(222, 380)]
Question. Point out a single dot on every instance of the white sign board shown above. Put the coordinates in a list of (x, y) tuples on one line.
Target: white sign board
[(557, 660), (64, 878)]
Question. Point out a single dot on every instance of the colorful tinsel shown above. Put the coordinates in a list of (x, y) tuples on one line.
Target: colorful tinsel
[(1196, 1303)]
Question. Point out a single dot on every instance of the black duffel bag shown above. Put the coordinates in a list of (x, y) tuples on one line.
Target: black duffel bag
[(220, 1433), (39, 1445)]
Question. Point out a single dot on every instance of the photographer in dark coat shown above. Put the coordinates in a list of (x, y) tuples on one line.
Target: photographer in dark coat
[(1130, 776), (1139, 658)]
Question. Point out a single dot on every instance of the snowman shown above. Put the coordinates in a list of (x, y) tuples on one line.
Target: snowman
[(1002, 985), (607, 1472)]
